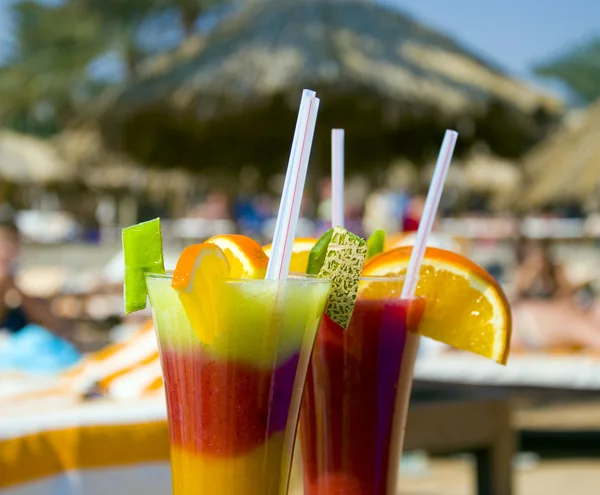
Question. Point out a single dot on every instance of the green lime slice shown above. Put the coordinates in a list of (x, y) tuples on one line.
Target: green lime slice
[(375, 243), (143, 253), (342, 255)]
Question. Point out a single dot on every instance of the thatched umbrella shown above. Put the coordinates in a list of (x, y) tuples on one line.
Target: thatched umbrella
[(485, 173), (481, 175), (110, 174), (393, 83), (29, 161), (566, 167)]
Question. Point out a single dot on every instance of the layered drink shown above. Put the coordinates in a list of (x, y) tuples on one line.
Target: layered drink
[(233, 400)]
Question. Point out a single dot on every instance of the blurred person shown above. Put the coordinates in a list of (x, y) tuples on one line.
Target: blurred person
[(324, 205), (413, 213), (215, 206), (354, 219), (247, 215), (538, 276), (17, 310), (546, 312), (379, 212)]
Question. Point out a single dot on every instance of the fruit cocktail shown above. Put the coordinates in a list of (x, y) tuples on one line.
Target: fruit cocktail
[(356, 396), (358, 385), (233, 402), (234, 350)]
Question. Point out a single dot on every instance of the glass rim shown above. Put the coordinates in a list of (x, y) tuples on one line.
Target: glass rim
[(383, 278), (168, 275), (297, 277)]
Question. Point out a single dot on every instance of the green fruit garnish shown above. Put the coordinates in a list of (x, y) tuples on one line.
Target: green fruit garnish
[(316, 257), (143, 253), (343, 256), (375, 243)]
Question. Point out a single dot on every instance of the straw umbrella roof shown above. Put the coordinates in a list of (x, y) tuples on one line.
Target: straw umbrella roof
[(482, 173), (27, 161), (102, 169), (566, 167), (371, 65), (486, 173), (97, 167)]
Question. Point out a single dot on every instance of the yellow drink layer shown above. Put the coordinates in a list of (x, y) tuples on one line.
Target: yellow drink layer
[(258, 472)]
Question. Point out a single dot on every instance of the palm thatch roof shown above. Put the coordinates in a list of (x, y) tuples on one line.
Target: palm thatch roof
[(566, 167), (29, 161), (485, 173), (393, 83), (482, 175), (101, 169)]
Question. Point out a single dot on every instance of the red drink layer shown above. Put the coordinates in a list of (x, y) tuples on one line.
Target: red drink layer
[(354, 397), (225, 408)]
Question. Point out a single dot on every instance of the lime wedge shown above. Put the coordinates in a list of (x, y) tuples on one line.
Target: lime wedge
[(143, 252), (343, 259), (375, 243)]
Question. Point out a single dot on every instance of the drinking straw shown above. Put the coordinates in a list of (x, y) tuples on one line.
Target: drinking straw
[(307, 95), (429, 212), (284, 207), (291, 197), (337, 177)]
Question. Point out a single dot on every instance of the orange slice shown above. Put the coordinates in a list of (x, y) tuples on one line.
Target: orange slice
[(199, 279), (300, 253), (245, 256), (464, 305)]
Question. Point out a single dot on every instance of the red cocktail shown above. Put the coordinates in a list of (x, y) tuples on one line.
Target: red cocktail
[(356, 396)]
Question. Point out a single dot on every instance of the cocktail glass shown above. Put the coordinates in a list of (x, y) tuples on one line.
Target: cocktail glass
[(233, 401), (357, 391)]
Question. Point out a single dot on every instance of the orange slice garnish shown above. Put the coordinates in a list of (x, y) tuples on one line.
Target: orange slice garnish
[(465, 306), (199, 279), (300, 253), (245, 256)]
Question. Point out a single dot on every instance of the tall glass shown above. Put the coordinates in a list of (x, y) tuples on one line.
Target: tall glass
[(233, 402), (355, 402)]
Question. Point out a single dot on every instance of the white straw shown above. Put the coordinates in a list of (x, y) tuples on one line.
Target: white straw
[(307, 96), (337, 177), (285, 202), (429, 212), (291, 198)]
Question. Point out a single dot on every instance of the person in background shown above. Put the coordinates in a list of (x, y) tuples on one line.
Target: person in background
[(546, 312), (413, 213), (539, 277), (17, 309)]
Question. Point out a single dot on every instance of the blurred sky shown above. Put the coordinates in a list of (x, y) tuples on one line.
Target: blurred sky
[(512, 33)]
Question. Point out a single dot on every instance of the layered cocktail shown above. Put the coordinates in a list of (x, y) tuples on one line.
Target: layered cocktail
[(235, 335), (233, 399)]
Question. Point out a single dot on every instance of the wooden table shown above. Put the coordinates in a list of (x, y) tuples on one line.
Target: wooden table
[(561, 429), (441, 422)]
